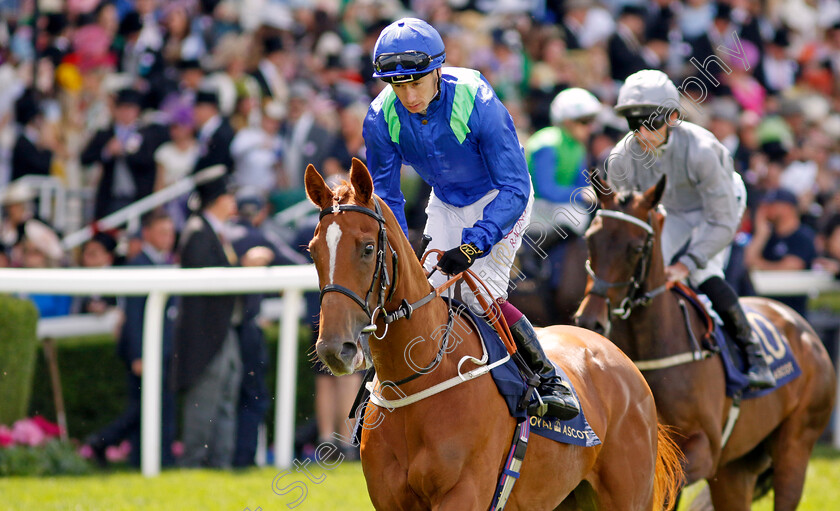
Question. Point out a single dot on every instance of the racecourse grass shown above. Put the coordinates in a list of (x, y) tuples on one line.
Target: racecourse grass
[(822, 492), (342, 489)]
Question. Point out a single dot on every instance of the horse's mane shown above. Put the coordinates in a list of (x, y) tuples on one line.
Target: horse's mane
[(343, 191)]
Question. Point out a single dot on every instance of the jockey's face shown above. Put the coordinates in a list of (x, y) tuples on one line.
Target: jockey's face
[(652, 131), (415, 96)]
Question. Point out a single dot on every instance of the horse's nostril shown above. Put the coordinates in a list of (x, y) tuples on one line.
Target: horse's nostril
[(348, 351)]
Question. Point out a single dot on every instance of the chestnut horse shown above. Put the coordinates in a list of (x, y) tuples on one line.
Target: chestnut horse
[(446, 452), (777, 430)]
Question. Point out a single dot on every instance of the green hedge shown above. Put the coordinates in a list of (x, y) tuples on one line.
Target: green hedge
[(18, 346), (93, 378), (53, 458)]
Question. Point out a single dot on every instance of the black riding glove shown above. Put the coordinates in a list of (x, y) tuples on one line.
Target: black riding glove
[(458, 259)]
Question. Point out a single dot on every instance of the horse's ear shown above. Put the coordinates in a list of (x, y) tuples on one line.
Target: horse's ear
[(361, 181), (654, 194), (602, 189), (316, 188)]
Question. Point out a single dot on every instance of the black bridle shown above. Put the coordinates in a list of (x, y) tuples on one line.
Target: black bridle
[(380, 272), (635, 297)]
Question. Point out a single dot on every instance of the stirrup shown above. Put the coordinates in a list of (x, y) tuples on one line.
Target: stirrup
[(539, 408), (760, 376), (758, 371), (556, 400)]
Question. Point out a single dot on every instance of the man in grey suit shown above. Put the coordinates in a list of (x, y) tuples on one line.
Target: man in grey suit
[(208, 367)]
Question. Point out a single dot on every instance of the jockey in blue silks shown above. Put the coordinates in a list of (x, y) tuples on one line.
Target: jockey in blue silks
[(449, 125)]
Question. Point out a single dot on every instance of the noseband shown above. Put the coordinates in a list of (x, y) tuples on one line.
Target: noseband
[(634, 297), (380, 268)]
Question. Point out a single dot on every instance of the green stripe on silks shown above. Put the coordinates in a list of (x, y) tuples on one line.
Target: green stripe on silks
[(462, 106), (391, 116)]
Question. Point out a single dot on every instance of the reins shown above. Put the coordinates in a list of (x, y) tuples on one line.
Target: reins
[(405, 309), (636, 298), (387, 287)]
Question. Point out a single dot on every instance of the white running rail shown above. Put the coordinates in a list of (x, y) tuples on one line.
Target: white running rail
[(158, 284)]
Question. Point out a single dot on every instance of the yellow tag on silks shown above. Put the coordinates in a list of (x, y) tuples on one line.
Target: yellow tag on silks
[(471, 251)]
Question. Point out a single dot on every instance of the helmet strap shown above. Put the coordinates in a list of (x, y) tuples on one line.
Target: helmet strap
[(437, 93)]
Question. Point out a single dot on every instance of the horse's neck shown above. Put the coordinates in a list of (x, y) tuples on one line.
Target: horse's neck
[(410, 343), (651, 331)]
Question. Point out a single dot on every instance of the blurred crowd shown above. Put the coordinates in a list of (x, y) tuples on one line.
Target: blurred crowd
[(126, 97), (121, 97)]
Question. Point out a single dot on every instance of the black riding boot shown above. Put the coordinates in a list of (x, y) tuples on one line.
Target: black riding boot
[(725, 302), (759, 373), (553, 391)]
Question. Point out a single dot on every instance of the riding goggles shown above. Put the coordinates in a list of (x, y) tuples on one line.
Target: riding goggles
[(408, 61), (651, 123), (589, 119)]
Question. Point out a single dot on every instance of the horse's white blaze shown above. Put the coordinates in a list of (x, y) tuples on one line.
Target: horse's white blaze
[(333, 235)]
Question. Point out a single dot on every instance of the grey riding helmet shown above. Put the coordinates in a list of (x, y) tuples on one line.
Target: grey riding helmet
[(646, 91)]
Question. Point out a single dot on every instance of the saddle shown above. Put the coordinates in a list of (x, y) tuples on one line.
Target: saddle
[(717, 340)]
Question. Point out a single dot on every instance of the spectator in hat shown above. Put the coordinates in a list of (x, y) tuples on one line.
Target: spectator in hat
[(586, 24), (306, 140), (206, 359), (626, 47), (18, 208), (56, 29), (723, 123), (40, 248), (176, 158), (34, 149), (125, 152), (179, 40), (780, 241), (136, 56), (258, 151), (778, 71), (574, 19), (215, 133), (272, 71), (191, 76)]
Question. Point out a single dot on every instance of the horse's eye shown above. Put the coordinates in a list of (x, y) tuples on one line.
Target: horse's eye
[(368, 250), (638, 249)]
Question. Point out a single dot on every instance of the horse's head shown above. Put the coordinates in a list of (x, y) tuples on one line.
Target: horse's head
[(355, 264), (623, 246)]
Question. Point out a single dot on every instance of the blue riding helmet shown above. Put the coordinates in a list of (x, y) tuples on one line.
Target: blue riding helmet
[(407, 49)]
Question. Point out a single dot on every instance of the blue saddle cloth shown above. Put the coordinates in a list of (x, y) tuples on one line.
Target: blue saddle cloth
[(775, 346), (512, 386)]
